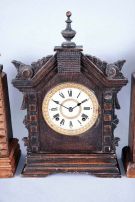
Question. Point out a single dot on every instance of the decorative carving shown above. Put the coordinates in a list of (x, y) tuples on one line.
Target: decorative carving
[(110, 99), (28, 71), (23, 71), (108, 95), (37, 65), (116, 101), (99, 63), (107, 120), (24, 102), (116, 141), (26, 141), (115, 121), (112, 71), (26, 121)]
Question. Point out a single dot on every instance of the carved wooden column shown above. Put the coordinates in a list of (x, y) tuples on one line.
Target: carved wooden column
[(9, 147)]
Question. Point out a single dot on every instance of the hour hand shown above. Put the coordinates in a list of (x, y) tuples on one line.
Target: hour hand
[(79, 103), (82, 102)]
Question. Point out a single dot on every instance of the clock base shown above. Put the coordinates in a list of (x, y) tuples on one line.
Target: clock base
[(129, 166), (9, 164), (101, 165)]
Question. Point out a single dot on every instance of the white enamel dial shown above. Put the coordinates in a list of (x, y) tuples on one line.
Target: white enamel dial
[(70, 108)]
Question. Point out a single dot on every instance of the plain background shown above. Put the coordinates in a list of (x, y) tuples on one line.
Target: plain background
[(29, 30)]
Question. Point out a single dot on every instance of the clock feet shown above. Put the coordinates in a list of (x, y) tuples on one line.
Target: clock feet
[(101, 165), (9, 163), (129, 165), (33, 172)]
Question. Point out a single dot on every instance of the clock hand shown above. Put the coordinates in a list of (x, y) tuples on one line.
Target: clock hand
[(79, 103), (57, 102)]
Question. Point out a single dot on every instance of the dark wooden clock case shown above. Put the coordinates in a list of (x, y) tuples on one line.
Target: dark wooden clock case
[(128, 152), (49, 152), (9, 147)]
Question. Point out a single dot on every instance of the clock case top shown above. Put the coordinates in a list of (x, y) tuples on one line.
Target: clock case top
[(69, 64)]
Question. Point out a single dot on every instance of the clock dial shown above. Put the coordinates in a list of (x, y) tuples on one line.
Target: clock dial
[(70, 108)]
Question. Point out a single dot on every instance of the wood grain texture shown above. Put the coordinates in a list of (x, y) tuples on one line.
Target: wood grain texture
[(8, 164), (128, 152), (101, 165), (9, 147)]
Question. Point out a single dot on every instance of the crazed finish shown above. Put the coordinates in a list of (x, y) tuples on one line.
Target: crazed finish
[(92, 151)]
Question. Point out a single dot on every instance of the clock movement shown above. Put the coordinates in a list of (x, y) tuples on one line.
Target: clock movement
[(70, 100), (128, 152), (9, 147)]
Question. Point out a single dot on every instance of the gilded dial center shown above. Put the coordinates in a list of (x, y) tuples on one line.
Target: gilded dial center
[(70, 108)]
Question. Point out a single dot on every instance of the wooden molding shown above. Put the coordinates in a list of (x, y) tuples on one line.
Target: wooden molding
[(101, 165), (8, 164)]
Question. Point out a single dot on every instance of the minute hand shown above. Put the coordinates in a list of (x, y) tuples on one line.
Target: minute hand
[(57, 102), (79, 103)]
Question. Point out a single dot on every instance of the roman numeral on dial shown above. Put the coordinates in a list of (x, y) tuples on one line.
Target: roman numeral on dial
[(78, 95), (70, 93), (56, 117), (54, 109), (70, 124), (86, 108), (79, 122), (62, 95), (84, 117), (62, 122)]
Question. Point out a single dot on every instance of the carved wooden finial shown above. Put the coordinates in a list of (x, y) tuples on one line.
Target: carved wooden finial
[(68, 33), (68, 13)]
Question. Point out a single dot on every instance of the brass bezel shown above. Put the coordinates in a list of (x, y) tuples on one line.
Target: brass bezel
[(59, 87)]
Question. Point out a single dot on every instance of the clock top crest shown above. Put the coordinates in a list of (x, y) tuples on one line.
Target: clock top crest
[(70, 100)]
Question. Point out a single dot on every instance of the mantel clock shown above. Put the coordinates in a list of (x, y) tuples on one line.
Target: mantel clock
[(70, 100)]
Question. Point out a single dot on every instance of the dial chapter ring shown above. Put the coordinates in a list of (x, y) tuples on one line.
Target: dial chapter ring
[(59, 129)]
